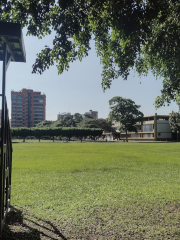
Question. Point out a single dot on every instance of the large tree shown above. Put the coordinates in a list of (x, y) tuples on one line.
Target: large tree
[(174, 122), (126, 112), (139, 34)]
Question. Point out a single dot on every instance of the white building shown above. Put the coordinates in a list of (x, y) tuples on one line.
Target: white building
[(155, 127), (92, 113)]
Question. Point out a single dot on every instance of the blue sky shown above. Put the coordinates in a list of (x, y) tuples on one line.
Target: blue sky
[(79, 89)]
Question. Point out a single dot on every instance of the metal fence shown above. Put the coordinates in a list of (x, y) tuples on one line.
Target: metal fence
[(5, 145), (5, 166), (11, 49)]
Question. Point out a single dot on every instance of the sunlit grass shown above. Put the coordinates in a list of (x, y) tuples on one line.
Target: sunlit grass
[(117, 190)]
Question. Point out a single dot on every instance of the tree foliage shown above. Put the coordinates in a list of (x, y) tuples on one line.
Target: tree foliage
[(126, 112), (87, 116), (77, 118), (21, 132), (44, 124), (174, 121), (101, 123), (65, 121), (77, 121), (63, 132), (143, 35)]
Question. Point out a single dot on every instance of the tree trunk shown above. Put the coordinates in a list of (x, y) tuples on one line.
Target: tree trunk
[(126, 136)]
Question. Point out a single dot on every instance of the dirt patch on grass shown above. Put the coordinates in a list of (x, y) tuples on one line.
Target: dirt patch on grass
[(150, 221), (20, 225)]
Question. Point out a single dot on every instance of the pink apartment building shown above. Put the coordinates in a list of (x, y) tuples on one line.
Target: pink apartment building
[(28, 108)]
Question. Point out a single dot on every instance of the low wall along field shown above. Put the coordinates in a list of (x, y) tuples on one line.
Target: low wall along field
[(95, 191)]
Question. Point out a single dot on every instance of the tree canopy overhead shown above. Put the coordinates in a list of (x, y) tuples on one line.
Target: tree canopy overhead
[(139, 34)]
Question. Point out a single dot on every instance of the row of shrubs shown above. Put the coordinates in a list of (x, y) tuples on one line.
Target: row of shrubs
[(56, 132)]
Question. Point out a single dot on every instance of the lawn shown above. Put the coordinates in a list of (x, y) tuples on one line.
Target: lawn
[(95, 191)]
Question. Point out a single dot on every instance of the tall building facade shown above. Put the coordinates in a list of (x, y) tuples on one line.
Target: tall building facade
[(28, 108)]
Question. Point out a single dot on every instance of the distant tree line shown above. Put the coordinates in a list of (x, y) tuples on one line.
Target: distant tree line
[(56, 132), (123, 110), (78, 121)]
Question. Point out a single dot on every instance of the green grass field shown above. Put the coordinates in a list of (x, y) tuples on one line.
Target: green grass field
[(98, 190)]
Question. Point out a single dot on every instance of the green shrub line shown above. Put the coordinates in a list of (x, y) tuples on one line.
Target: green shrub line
[(52, 132)]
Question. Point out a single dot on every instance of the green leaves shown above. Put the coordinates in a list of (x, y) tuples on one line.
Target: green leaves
[(126, 112), (174, 121), (144, 35), (58, 131), (100, 123)]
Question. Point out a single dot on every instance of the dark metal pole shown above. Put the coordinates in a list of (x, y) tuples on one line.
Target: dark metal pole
[(2, 170)]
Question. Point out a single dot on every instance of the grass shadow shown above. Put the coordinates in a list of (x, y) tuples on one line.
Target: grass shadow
[(23, 226)]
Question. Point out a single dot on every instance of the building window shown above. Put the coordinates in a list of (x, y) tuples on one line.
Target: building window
[(37, 105), (16, 96), (41, 101), (38, 97), (148, 135), (135, 135), (147, 128)]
